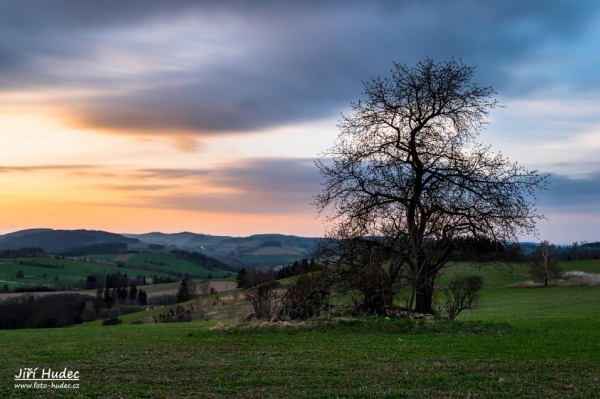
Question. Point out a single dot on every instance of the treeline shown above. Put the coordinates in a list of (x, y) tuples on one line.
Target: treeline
[(255, 276), (40, 264), (32, 252), (201, 260), (579, 251), (57, 310), (123, 296), (118, 280), (97, 249), (297, 268)]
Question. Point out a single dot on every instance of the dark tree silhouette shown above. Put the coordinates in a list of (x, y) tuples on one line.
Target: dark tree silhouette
[(406, 168), (184, 293)]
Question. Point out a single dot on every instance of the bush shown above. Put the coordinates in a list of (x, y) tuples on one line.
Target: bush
[(305, 298), (461, 293), (162, 300), (263, 298), (113, 321)]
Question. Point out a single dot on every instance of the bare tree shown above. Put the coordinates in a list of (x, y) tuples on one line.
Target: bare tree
[(544, 264), (366, 269), (406, 167), (204, 287), (261, 292), (462, 292)]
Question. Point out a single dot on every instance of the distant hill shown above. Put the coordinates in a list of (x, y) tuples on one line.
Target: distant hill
[(260, 249), (58, 241)]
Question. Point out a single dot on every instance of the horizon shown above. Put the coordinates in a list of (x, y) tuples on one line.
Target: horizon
[(250, 235), (207, 117)]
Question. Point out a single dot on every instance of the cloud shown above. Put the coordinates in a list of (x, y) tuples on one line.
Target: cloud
[(209, 68), (135, 187), (571, 194), (254, 186), (40, 168), (258, 185)]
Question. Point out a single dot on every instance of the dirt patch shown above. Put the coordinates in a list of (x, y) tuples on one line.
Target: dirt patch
[(123, 257)]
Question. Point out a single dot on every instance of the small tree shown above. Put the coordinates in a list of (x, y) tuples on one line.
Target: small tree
[(142, 298), (204, 287), (260, 292), (241, 277), (544, 263), (184, 294), (461, 293), (132, 296), (306, 297), (20, 274)]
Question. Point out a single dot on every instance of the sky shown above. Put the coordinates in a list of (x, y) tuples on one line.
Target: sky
[(207, 116)]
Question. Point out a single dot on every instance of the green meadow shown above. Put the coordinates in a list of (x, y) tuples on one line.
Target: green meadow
[(518, 343), (67, 272)]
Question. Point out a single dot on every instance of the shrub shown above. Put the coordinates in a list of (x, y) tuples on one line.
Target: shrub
[(460, 293), (263, 298), (305, 298), (113, 321)]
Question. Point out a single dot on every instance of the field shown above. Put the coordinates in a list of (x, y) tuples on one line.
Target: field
[(64, 272), (528, 343), (160, 262), (68, 272)]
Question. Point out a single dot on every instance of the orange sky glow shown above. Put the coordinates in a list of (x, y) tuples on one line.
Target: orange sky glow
[(204, 117)]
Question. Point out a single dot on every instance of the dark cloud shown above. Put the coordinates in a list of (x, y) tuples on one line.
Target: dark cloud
[(267, 63), (571, 194)]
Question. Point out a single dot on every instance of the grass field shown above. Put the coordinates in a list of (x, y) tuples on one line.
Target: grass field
[(68, 272), (281, 259), (519, 343), (161, 261)]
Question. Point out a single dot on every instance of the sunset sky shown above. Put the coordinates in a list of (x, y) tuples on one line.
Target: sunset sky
[(138, 116)]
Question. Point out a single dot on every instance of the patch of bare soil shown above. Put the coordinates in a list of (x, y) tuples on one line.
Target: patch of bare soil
[(123, 257)]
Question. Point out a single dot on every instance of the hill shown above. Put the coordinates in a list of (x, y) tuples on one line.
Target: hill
[(58, 241), (259, 249)]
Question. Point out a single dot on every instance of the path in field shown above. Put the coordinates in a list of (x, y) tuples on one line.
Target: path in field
[(123, 257)]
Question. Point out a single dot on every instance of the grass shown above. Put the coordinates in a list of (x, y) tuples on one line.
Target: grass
[(71, 272), (272, 259), (519, 343), (68, 272), (159, 261)]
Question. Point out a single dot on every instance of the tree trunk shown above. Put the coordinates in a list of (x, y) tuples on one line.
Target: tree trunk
[(425, 286)]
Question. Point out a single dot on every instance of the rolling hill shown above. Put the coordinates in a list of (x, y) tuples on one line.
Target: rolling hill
[(59, 241), (259, 249)]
